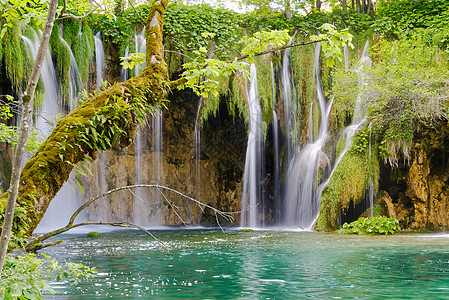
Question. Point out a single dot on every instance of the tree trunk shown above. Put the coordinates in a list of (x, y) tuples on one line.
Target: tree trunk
[(23, 133), (370, 6), (353, 4), (288, 10), (101, 122), (344, 5), (318, 5), (359, 7)]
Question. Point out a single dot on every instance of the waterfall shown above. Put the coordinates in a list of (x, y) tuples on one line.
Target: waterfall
[(49, 108), (253, 172), (124, 73), (99, 59), (140, 44), (301, 200), (290, 107), (74, 76), (65, 201), (310, 129), (147, 205), (197, 147), (371, 185), (359, 116), (276, 168)]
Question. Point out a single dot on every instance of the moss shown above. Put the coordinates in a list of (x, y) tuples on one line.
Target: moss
[(302, 64), (15, 56), (94, 234), (237, 101), (349, 182), (264, 84), (212, 103), (62, 58), (83, 50)]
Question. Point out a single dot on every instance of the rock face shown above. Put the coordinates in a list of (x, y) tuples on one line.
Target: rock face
[(420, 190), (219, 182), (427, 181)]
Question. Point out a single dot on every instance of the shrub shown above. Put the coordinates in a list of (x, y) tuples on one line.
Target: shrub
[(27, 277), (376, 225)]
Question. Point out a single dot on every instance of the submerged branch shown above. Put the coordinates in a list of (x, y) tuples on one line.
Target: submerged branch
[(37, 246), (37, 243)]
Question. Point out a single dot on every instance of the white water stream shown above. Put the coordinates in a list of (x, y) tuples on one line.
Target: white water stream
[(254, 157), (65, 201)]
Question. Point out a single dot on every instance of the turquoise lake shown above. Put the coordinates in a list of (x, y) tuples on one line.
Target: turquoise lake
[(211, 264)]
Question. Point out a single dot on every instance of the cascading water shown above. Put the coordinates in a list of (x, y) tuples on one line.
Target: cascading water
[(301, 199), (147, 205), (140, 44), (276, 168), (65, 202), (197, 147), (290, 107), (359, 116), (74, 76), (360, 109), (254, 158), (124, 73), (99, 59), (49, 107)]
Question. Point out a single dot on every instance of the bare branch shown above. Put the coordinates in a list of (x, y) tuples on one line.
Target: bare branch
[(135, 10), (37, 243), (281, 48)]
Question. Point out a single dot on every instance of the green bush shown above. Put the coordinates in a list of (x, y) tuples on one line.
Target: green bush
[(27, 277), (376, 225)]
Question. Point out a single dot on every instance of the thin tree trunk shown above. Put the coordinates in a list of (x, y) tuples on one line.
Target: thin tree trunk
[(23, 133), (353, 4), (370, 6), (318, 5), (359, 7), (344, 5)]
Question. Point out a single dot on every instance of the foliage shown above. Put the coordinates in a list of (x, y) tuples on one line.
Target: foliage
[(397, 16), (344, 188), (9, 134), (20, 225), (27, 277), (14, 56), (185, 28), (375, 225), (24, 12), (262, 40), (202, 74), (132, 60), (407, 89), (335, 40)]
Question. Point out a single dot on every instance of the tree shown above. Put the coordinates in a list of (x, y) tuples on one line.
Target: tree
[(23, 133)]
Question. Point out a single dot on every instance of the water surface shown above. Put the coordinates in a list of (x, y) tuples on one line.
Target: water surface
[(210, 264)]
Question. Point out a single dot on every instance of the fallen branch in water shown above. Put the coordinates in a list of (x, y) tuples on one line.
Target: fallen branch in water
[(37, 243)]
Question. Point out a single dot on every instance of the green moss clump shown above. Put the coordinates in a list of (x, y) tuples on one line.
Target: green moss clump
[(83, 50), (15, 56), (246, 230), (62, 58), (302, 66), (265, 86), (352, 177), (94, 234)]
